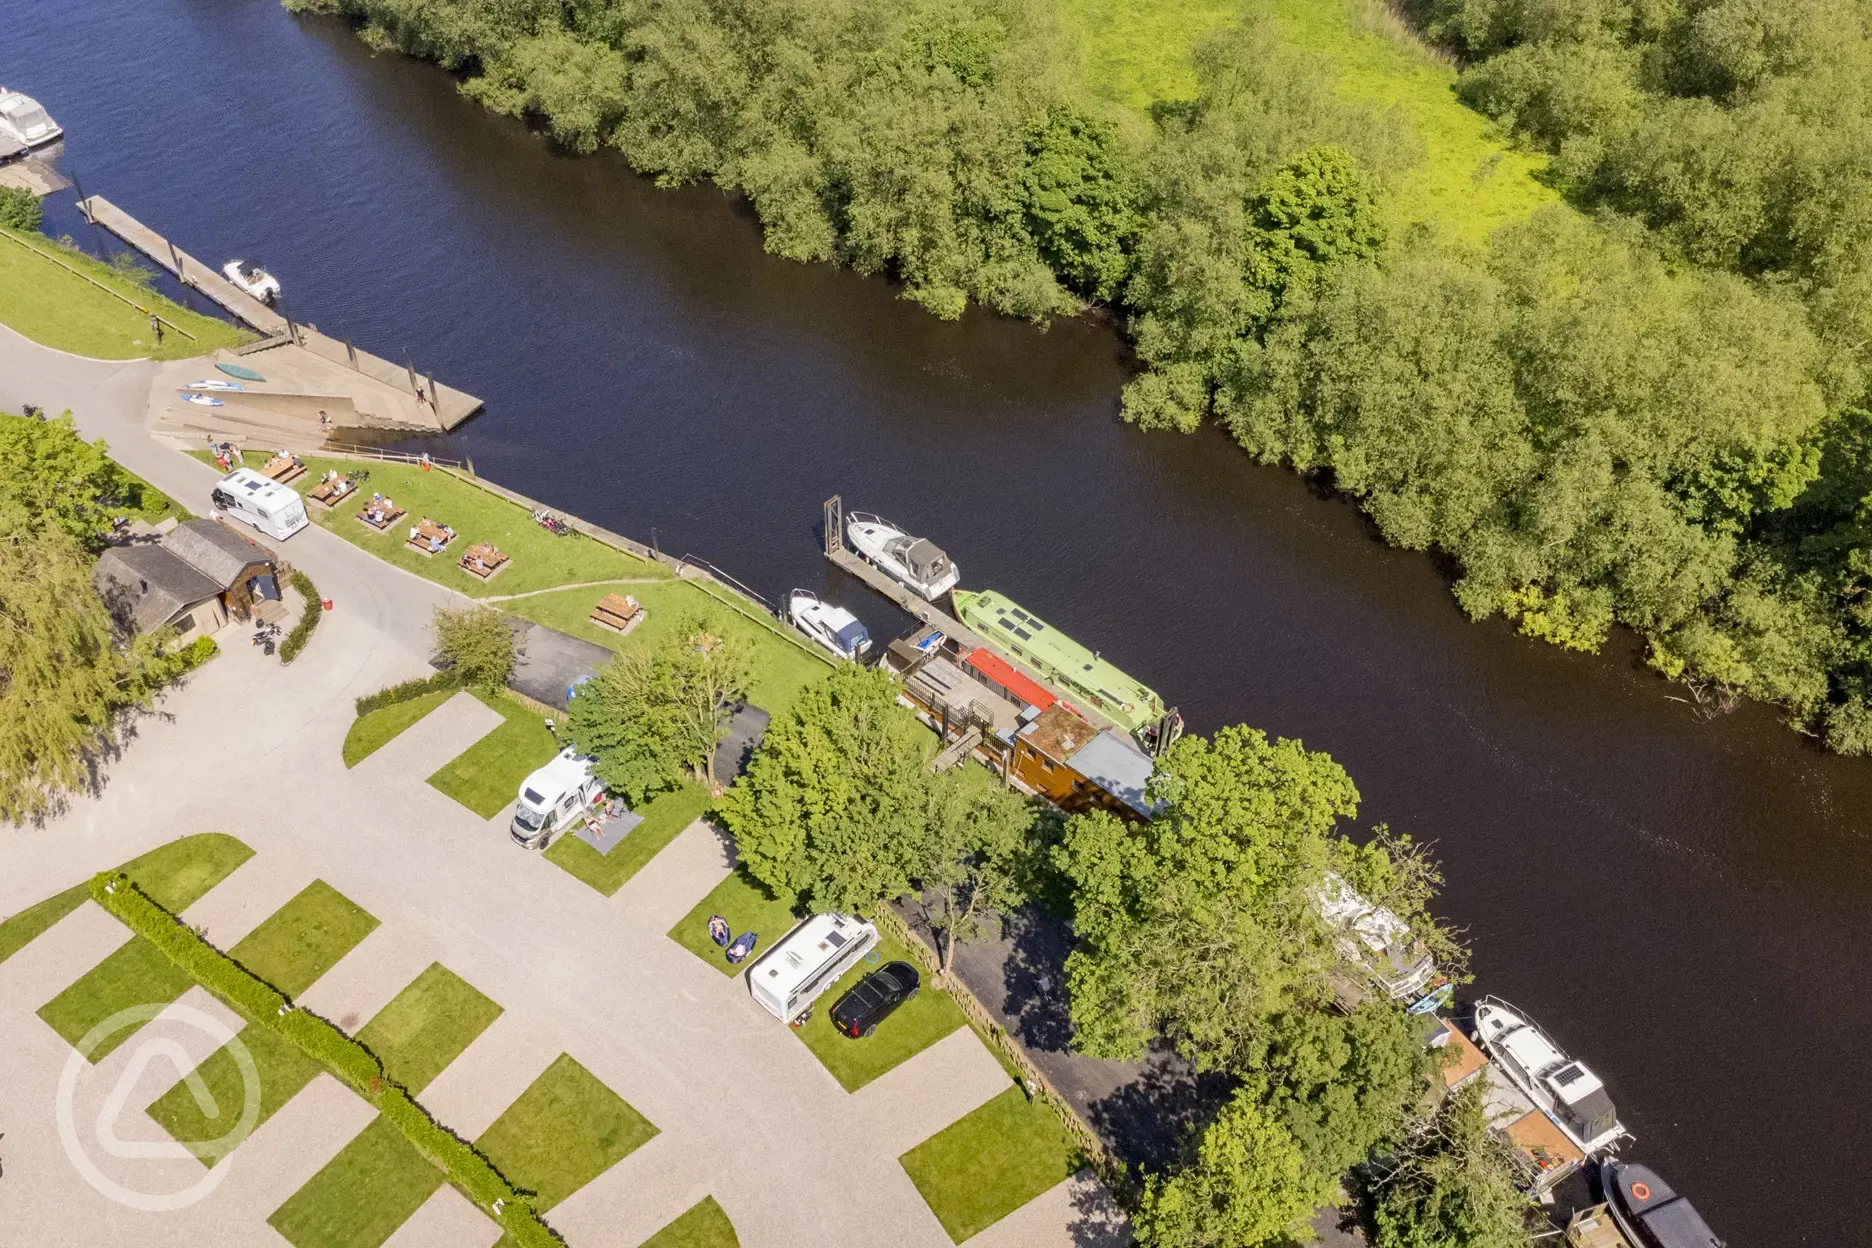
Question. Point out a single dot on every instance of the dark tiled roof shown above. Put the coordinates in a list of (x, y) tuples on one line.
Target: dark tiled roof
[(215, 550), (145, 586)]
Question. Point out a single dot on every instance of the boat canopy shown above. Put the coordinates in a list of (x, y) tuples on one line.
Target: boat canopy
[(1664, 1217), (852, 636), (922, 558)]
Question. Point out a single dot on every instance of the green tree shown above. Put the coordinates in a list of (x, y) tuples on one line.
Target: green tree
[(976, 857), (836, 802), (1081, 200), (1452, 1185), (20, 210), (1248, 1185), (476, 644), (654, 718), (53, 474)]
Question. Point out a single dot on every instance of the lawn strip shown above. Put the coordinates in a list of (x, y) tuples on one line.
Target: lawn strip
[(17, 932), (283, 1070), (747, 906), (427, 1025), (565, 1130), (135, 974), (486, 775), (909, 1030), (989, 1163), (361, 1196), (703, 1226), (370, 733), (663, 820), (304, 938)]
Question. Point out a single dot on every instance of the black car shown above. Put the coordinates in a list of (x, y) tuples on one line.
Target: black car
[(859, 1011)]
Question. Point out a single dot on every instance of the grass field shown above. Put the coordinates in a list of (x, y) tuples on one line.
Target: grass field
[(747, 907), (1138, 51), (663, 820), (703, 1226), (427, 1025), (137, 973), (52, 306), (565, 1130), (907, 1032), (20, 929), (362, 1195), (283, 1070), (781, 668), (986, 1165), (486, 775), (304, 938), (369, 733)]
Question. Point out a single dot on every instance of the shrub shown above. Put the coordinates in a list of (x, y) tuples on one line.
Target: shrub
[(475, 643), (409, 691), (20, 210), (197, 652), (308, 619)]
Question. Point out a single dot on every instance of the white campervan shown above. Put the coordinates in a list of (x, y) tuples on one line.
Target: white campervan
[(807, 961), (275, 509), (553, 798)]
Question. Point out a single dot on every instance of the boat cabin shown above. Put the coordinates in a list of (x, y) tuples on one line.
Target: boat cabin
[(1375, 940)]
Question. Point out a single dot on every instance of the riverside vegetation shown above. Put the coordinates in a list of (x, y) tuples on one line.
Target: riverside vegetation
[(1645, 405)]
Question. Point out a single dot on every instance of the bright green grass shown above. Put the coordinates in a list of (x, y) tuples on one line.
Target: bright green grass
[(565, 1130), (486, 775), (747, 907), (283, 1069), (19, 930), (143, 501), (983, 1167), (909, 1030), (52, 306), (371, 732), (703, 1226), (663, 819), (427, 1025), (179, 874), (137, 973), (362, 1195), (1138, 51), (781, 667), (304, 938)]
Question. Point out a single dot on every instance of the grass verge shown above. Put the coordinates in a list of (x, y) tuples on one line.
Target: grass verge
[(909, 1030), (283, 1072), (703, 1226), (304, 938), (427, 1025), (485, 776), (663, 819), (53, 306), (989, 1163), (748, 906), (135, 974), (361, 1196), (565, 1130), (370, 733), (20, 930)]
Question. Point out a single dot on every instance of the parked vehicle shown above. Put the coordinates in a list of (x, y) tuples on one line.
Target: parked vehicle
[(835, 628), (275, 509), (916, 561), (874, 998), (808, 960), (252, 280), (553, 798), (1568, 1093), (1649, 1212), (23, 122)]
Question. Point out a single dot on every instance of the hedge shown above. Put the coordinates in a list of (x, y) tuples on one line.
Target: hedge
[(265, 1006), (308, 619), (408, 691)]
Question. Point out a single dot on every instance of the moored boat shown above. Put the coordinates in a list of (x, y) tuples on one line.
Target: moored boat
[(1562, 1088), (24, 122), (1649, 1213), (915, 561), (833, 627), (252, 280)]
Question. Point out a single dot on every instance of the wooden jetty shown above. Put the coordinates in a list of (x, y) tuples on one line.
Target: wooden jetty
[(441, 407), (30, 173)]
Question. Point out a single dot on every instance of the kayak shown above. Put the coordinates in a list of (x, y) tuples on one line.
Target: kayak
[(201, 400), (240, 371), (216, 384)]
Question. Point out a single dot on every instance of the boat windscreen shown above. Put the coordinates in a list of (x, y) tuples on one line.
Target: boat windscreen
[(852, 637), (1592, 1114), (926, 560)]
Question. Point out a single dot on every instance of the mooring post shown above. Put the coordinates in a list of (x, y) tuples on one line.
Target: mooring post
[(834, 529), (351, 354)]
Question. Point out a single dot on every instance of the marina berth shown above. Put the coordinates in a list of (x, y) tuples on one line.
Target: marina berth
[(915, 561), (833, 627), (1649, 1213), (1562, 1088)]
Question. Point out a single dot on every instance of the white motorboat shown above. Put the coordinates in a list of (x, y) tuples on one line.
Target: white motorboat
[(1563, 1089), (252, 280), (23, 122), (835, 628), (916, 561), (212, 384)]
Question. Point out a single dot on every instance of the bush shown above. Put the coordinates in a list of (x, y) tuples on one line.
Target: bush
[(409, 691), (475, 643), (20, 210), (308, 619), (197, 652)]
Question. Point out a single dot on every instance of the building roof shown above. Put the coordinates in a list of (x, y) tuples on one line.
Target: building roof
[(215, 550), (1009, 677), (148, 586), (944, 686), (1058, 733), (1111, 761)]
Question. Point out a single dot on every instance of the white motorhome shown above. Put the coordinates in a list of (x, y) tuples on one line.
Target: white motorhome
[(553, 798), (807, 961), (275, 509)]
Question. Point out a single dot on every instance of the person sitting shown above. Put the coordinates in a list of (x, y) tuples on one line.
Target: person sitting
[(436, 544)]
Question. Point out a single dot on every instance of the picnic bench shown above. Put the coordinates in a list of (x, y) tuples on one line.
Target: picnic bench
[(483, 561), (379, 514), (331, 491), (618, 612), (429, 539), (284, 469)]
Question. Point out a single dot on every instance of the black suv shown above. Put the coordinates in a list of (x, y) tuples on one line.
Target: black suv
[(859, 1011)]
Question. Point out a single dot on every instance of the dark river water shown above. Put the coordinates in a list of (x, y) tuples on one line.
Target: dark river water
[(1685, 903)]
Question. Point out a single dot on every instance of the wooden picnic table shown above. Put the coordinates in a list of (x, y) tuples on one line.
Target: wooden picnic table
[(483, 560), (386, 512), (618, 612), (429, 538), (284, 468), (331, 491)]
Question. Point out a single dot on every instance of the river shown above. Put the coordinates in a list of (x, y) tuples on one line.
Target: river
[(1684, 902)]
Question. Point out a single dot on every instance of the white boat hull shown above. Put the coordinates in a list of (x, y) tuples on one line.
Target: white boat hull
[(1496, 1024), (869, 539)]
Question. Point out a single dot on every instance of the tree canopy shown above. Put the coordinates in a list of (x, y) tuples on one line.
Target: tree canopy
[(1450, 1185), (475, 644)]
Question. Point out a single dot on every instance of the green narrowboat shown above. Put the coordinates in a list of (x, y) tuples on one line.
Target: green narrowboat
[(1074, 670)]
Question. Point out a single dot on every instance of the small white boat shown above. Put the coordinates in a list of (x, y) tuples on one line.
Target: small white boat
[(835, 628), (23, 122), (213, 384), (201, 400), (916, 561), (1563, 1089), (252, 280)]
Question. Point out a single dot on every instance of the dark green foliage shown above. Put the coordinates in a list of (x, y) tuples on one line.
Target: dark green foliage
[(308, 618), (475, 644), (408, 691), (1082, 201), (1249, 1185), (20, 210), (1451, 1185)]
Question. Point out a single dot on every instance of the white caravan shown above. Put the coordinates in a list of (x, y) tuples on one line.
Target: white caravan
[(807, 961), (553, 798), (916, 561), (275, 509)]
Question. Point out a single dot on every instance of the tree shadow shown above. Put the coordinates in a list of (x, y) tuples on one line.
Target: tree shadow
[(1034, 979), (1153, 1120)]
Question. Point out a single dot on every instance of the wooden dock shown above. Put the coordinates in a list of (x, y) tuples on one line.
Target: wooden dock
[(443, 407)]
